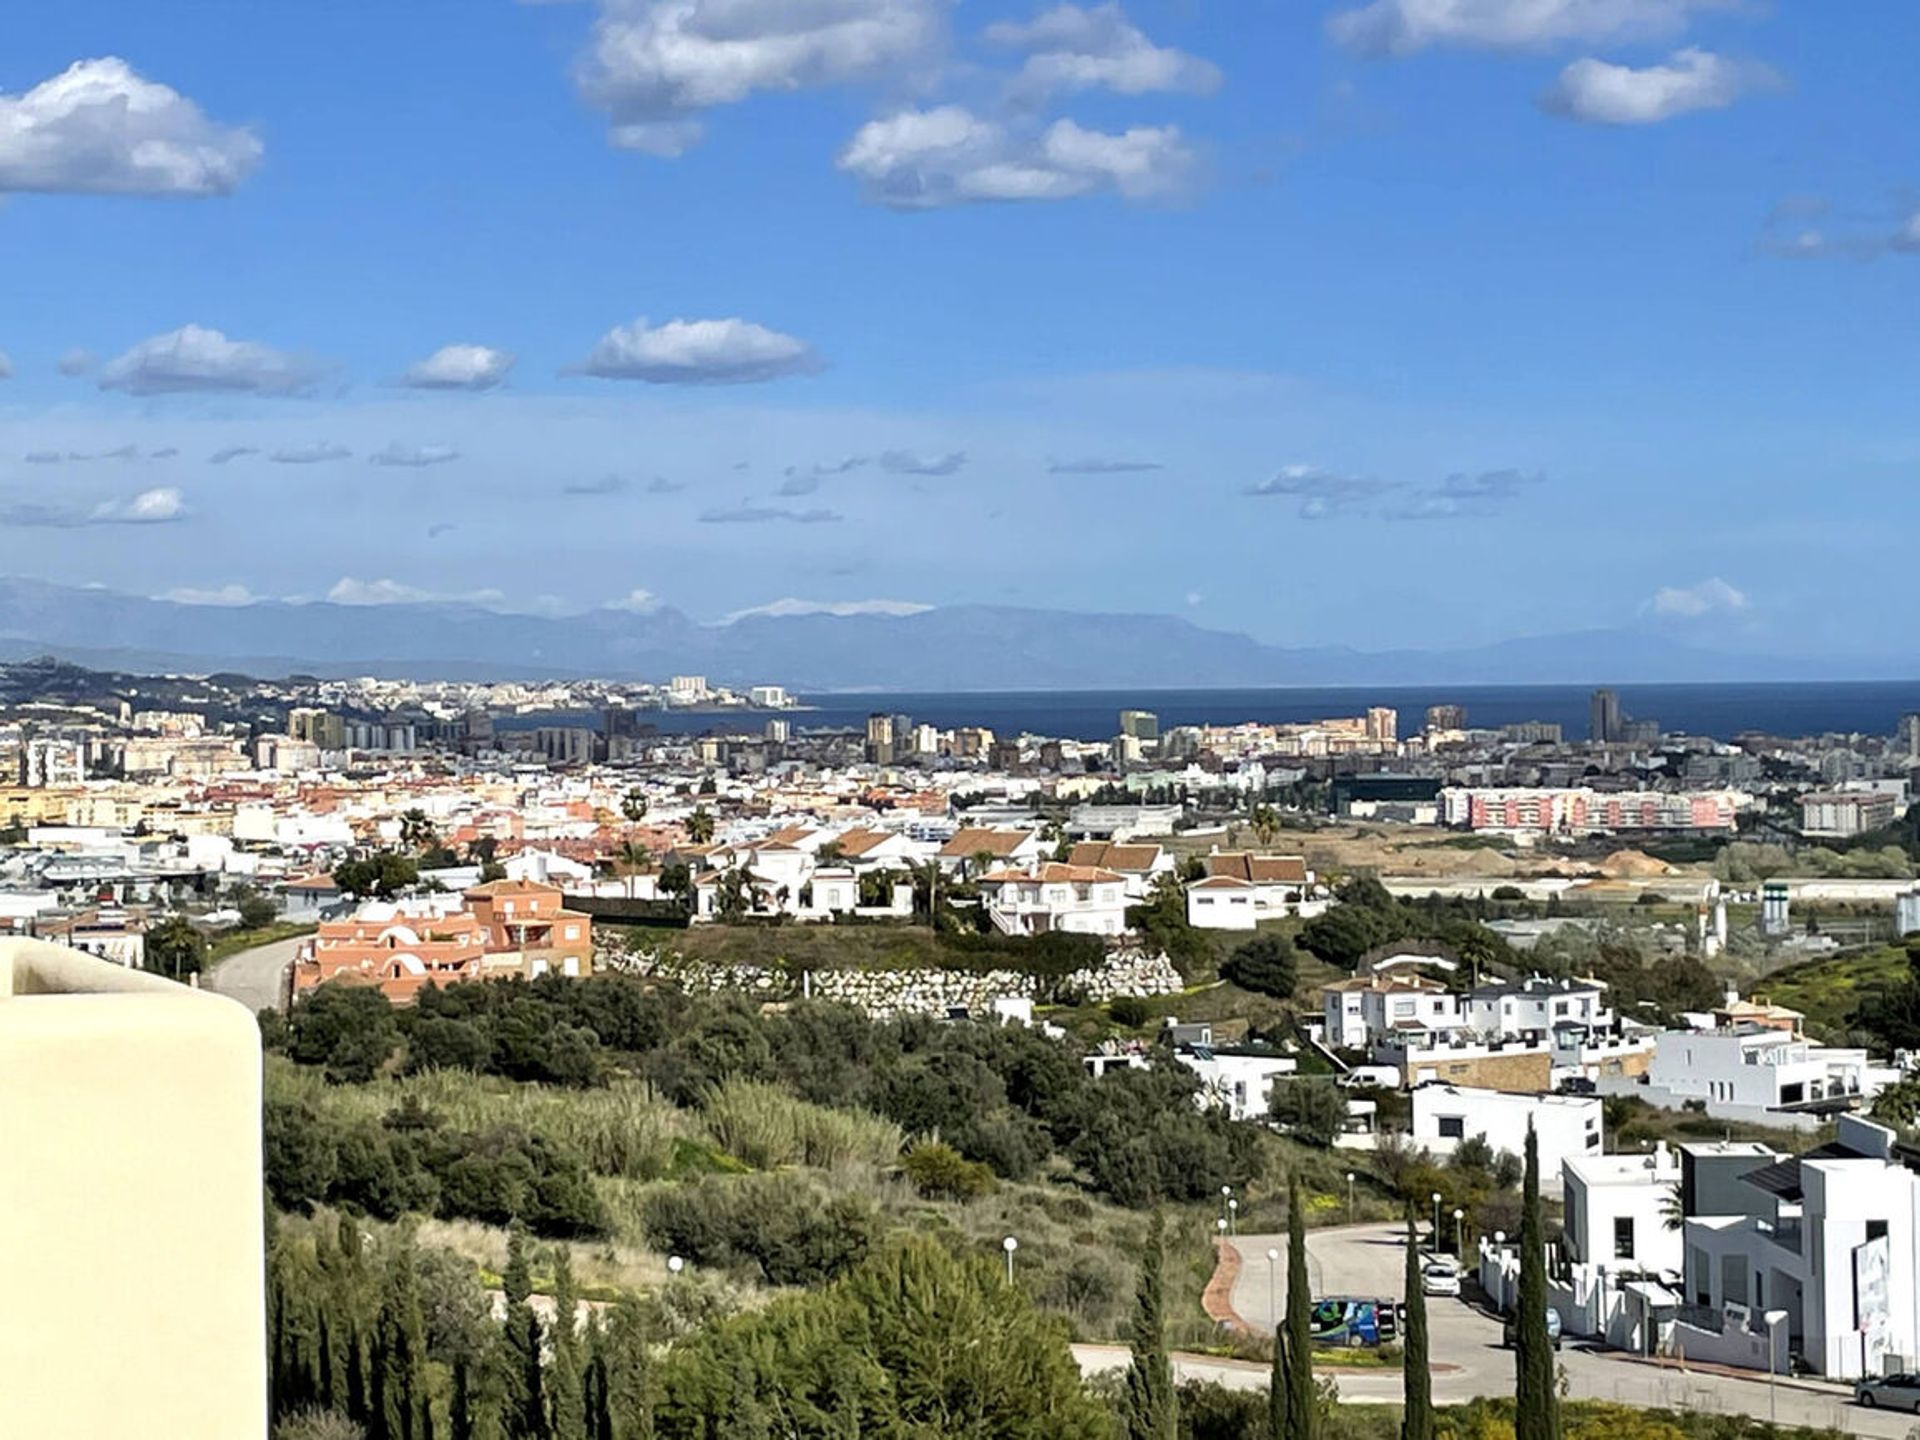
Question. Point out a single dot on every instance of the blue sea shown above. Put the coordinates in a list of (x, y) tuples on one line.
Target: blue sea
[(1721, 711)]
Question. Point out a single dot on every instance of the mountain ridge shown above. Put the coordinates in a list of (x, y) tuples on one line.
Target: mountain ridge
[(952, 648)]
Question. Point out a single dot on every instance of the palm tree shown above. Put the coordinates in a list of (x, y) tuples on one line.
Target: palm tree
[(634, 807), (700, 825), (416, 830)]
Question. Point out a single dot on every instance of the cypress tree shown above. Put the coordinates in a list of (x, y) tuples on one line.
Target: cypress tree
[(276, 1345), (1149, 1409), (527, 1404), (1277, 1384), (460, 1406), (1417, 1379), (400, 1353), (630, 1381), (1303, 1401), (325, 1380), (564, 1379), (1536, 1405), (356, 1378)]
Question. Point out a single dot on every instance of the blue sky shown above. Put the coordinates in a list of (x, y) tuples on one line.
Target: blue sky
[(1436, 321)]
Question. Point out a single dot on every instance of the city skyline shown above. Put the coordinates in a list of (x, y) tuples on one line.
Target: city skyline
[(1363, 324)]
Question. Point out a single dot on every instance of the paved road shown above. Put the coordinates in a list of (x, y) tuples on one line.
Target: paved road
[(253, 977), (1468, 1356)]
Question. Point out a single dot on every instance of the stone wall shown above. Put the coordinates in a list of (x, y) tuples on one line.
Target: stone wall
[(887, 993)]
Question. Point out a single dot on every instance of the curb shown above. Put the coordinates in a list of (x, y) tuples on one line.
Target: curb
[(1217, 1298)]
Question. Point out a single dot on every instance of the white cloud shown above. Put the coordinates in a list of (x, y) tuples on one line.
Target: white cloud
[(1321, 493), (100, 129), (1096, 47), (413, 456), (222, 595), (698, 352), (904, 462), (1692, 79), (925, 159), (149, 507), (351, 591), (767, 514), (43, 457), (638, 602), (194, 358), (1402, 27), (1707, 597), (655, 66), (320, 452), (1101, 465), (77, 361), (1464, 494), (791, 606), (460, 367), (228, 453)]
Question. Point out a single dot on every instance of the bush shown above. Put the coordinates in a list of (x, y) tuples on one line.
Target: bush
[(1265, 964), (1313, 1110), (777, 1224), (1129, 1010), (941, 1172)]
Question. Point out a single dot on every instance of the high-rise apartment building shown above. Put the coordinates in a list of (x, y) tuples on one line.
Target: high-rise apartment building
[(1383, 724), (1603, 717), (880, 739), (1446, 717), (1141, 725)]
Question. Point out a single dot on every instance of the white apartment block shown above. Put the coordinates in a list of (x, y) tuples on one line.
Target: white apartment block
[(1567, 1126), (1236, 1079), (1619, 1211), (1508, 810), (1747, 1071)]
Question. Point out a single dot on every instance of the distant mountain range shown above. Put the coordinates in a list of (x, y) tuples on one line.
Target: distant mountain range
[(960, 647)]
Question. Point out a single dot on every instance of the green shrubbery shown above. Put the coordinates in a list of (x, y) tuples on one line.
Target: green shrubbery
[(777, 1225)]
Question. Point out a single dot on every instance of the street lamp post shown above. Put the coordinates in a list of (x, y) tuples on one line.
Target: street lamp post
[(1273, 1291), (675, 1264), (1009, 1245), (1459, 1234), (1233, 1217), (1436, 1219), (1350, 1179)]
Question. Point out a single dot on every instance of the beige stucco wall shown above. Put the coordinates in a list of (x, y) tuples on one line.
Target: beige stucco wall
[(131, 1218)]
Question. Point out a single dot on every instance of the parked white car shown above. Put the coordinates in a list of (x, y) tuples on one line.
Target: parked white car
[(1440, 1277)]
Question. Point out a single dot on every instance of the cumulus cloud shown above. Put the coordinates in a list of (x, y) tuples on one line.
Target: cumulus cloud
[(98, 128), (77, 361), (149, 507), (905, 462), (1096, 47), (222, 595), (1606, 94), (764, 514), (196, 359), (1321, 493), (637, 602), (413, 456), (320, 452), (1477, 493), (698, 352), (1706, 597), (790, 606), (1403, 27), (227, 453), (1806, 227), (349, 590), (926, 159), (460, 367), (656, 66), (1098, 465)]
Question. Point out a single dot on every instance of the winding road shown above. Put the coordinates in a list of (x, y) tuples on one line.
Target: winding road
[(255, 977), (1468, 1357)]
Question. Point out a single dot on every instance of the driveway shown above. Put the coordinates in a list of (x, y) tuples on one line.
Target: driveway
[(255, 977), (1469, 1359)]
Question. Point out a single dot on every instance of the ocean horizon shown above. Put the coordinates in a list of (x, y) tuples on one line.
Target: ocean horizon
[(1720, 711)]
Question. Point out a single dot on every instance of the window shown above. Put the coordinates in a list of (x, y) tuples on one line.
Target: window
[(1623, 1237), (573, 932), (1453, 1127), (1876, 1229)]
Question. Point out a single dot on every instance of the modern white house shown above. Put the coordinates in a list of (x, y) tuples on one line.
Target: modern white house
[(1566, 1126), (1140, 864), (1622, 1211), (1758, 1073), (1820, 1262), (1076, 899), (1367, 1008), (1238, 1079)]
